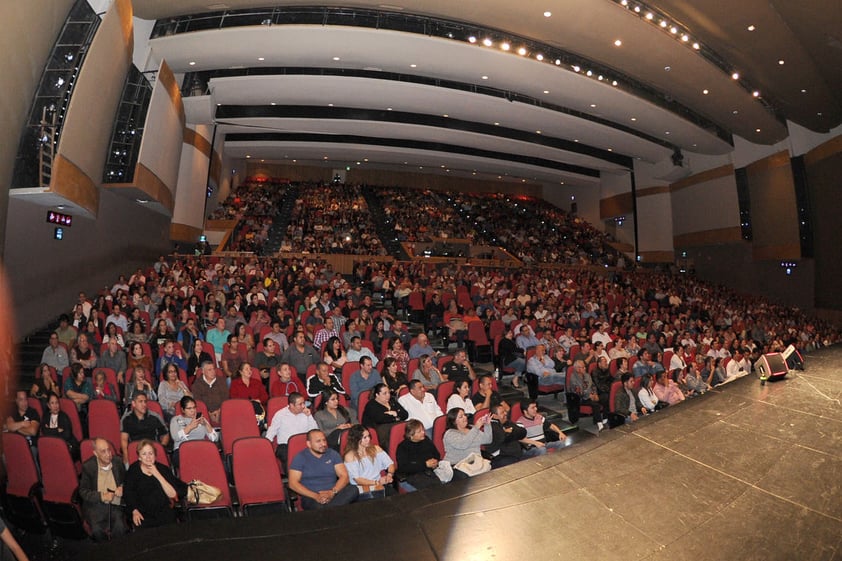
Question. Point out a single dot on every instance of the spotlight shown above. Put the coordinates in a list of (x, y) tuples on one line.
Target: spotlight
[(735, 76), (68, 57), (487, 42), (59, 82), (472, 39)]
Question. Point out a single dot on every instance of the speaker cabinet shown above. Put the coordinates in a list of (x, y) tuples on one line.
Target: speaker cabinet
[(771, 366)]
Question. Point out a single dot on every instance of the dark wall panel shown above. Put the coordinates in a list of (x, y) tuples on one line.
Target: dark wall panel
[(825, 188)]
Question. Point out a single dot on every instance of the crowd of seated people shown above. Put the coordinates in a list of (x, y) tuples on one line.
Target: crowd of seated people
[(254, 206), (534, 230), (331, 218), (420, 215), (204, 330)]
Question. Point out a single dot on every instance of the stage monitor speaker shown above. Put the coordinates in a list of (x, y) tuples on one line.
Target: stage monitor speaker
[(771, 366), (793, 358)]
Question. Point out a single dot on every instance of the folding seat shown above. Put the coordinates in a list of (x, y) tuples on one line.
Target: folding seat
[(443, 393), (199, 459), (274, 405), (516, 412), (416, 307), (60, 488), (364, 397), (22, 497), (396, 436), (208, 348), (439, 428), (237, 420), (35, 403), (257, 477), (155, 407), (104, 421), (69, 407), (615, 387), (497, 328), (348, 370)]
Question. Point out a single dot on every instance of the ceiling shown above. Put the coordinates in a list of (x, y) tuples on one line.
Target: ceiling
[(407, 100)]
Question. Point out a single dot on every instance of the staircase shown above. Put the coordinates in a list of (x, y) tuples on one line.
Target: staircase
[(279, 225), (384, 224)]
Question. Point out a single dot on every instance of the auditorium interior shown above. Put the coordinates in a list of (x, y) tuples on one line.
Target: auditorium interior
[(651, 149)]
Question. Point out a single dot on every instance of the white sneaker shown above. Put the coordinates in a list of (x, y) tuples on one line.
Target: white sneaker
[(600, 425)]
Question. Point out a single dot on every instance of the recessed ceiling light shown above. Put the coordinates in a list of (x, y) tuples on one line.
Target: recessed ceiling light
[(756, 130), (735, 75), (576, 68), (445, 115), (650, 16), (614, 83), (755, 93), (666, 132), (336, 58), (685, 38), (634, 118), (610, 149), (819, 113), (575, 140), (803, 91), (472, 39), (539, 56), (667, 68), (485, 77), (538, 132), (388, 109), (589, 73), (673, 30), (696, 46), (505, 46), (248, 155), (593, 105), (497, 123), (547, 14), (663, 23), (261, 58), (546, 91), (751, 28), (705, 91), (273, 103), (487, 42), (325, 157), (735, 112), (330, 105), (781, 62), (637, 9), (618, 43), (521, 51), (192, 63), (413, 66)]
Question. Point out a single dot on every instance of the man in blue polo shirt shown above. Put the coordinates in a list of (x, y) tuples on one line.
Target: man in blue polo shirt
[(318, 475)]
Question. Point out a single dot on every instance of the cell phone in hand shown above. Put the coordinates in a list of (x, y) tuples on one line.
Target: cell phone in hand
[(198, 414)]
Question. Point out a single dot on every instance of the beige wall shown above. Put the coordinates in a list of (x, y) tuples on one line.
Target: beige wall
[(20, 71)]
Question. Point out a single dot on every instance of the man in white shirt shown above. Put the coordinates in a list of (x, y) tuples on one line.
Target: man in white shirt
[(357, 350), (295, 418), (601, 335), (738, 365), (420, 405), (117, 318), (55, 355)]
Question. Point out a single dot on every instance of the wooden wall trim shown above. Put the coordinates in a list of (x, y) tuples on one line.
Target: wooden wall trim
[(776, 252), (777, 160), (197, 141), (822, 151), (733, 234), (649, 191), (184, 233), (126, 13), (216, 168), (617, 205), (703, 177), (657, 256), (167, 80), (69, 181)]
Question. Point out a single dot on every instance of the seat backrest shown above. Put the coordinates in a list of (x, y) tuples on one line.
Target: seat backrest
[(257, 477), (363, 401), (516, 412), (161, 455), (348, 370), (439, 428), (208, 348), (237, 420), (35, 403), (199, 459), (444, 360), (443, 393), (497, 328), (476, 333), (20, 465), (155, 407), (104, 421), (57, 471), (296, 444), (275, 404), (69, 407), (615, 387), (396, 436)]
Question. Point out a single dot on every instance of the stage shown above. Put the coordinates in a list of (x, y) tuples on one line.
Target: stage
[(743, 472)]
